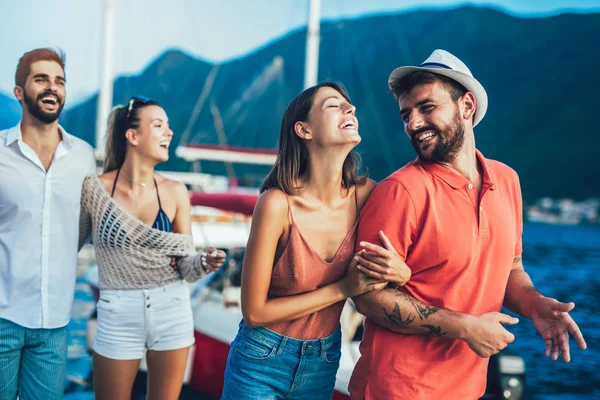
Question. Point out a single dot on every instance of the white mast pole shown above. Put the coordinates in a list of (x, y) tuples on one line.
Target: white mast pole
[(105, 97), (313, 36)]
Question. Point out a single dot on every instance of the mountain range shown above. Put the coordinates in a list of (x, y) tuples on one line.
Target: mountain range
[(538, 73)]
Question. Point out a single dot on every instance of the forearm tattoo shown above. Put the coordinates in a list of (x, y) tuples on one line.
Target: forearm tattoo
[(433, 330), (396, 318), (424, 310)]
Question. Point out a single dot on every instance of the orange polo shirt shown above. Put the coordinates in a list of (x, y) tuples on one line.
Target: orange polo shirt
[(460, 247)]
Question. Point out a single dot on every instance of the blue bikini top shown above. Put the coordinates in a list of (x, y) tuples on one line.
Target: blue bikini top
[(162, 221)]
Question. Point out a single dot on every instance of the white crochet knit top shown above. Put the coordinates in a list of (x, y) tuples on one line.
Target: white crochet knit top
[(131, 254)]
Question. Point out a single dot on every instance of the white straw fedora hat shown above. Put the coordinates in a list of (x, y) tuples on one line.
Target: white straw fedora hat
[(443, 63)]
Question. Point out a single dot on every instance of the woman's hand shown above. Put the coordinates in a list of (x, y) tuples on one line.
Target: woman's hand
[(212, 258), (383, 264), (355, 282)]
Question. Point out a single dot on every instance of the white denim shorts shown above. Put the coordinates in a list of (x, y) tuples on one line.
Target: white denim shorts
[(133, 321)]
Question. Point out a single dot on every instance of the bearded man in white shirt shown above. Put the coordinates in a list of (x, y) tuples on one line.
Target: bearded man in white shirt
[(42, 168)]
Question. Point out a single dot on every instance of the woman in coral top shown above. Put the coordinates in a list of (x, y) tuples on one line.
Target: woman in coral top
[(300, 265)]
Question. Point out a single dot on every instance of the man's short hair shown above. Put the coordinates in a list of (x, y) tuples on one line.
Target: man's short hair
[(416, 78), (43, 54)]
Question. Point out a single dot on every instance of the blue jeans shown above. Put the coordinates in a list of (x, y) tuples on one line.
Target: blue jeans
[(32, 362), (265, 365)]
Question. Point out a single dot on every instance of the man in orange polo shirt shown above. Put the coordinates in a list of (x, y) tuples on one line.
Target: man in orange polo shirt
[(456, 218)]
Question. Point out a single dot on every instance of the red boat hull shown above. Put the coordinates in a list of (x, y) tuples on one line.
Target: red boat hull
[(210, 360)]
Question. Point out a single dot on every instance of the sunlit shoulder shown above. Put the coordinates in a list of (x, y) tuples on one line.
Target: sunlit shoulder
[(363, 191), (272, 203), (107, 180), (173, 188)]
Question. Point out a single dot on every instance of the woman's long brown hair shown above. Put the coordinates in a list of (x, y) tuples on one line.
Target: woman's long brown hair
[(292, 157)]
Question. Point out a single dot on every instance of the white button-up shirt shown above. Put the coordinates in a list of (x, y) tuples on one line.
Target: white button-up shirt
[(39, 229)]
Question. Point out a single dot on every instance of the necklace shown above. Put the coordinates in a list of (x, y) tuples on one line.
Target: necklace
[(131, 180)]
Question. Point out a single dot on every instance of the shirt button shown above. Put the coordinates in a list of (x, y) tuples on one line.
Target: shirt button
[(480, 208), (148, 306), (470, 186)]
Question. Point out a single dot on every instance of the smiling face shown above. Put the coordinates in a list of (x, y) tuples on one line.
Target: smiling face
[(153, 135), (433, 122), (320, 118), (331, 120), (44, 93)]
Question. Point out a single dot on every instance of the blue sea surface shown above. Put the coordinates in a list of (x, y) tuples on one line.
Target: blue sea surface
[(564, 263)]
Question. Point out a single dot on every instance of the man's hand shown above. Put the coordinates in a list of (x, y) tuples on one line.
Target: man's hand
[(485, 334), (552, 320), (384, 264)]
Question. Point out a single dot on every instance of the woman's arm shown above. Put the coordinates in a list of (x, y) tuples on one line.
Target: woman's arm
[(193, 267), (85, 218), (269, 221)]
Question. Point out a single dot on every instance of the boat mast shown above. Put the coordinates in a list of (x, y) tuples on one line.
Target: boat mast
[(105, 97), (313, 36)]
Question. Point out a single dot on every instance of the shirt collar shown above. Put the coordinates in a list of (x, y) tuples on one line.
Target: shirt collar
[(455, 180), (15, 134), (67, 138)]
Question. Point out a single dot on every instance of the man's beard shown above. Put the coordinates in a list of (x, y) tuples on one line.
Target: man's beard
[(450, 140), (36, 110)]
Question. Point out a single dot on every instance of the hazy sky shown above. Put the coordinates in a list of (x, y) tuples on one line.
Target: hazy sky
[(216, 30)]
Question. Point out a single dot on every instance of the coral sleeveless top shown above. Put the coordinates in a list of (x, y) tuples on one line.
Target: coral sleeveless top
[(300, 269)]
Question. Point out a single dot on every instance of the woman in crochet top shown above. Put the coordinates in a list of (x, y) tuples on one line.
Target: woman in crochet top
[(144, 305), (300, 264)]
